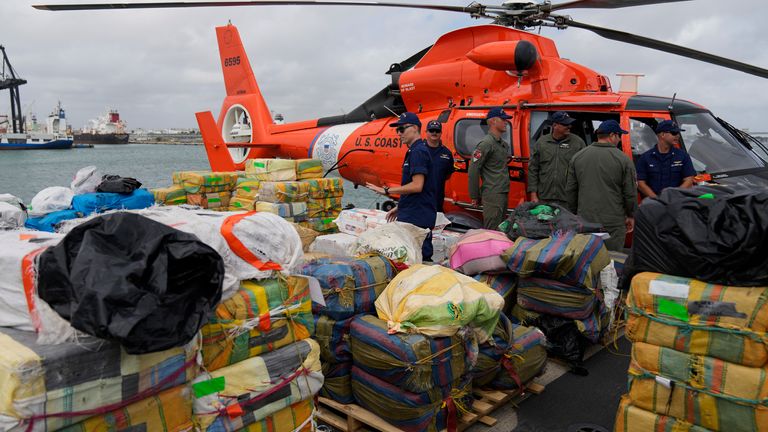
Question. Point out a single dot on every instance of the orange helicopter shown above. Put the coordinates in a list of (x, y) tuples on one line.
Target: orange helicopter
[(456, 81)]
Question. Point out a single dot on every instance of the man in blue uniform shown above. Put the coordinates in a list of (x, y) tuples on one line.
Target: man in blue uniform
[(665, 165), (417, 186), (442, 161)]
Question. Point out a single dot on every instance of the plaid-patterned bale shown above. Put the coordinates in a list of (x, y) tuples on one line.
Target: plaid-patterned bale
[(725, 322), (172, 195), (295, 418), (324, 207), (271, 169), (574, 259), (201, 182), (338, 382), (514, 356), (293, 211), (210, 200), (503, 283), (427, 411), (413, 362), (69, 377), (168, 411), (241, 326), (259, 387), (630, 418), (309, 169), (707, 375), (684, 402), (350, 285), (284, 192), (555, 298), (333, 338), (326, 188)]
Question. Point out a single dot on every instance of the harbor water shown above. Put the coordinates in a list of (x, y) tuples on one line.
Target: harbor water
[(23, 173)]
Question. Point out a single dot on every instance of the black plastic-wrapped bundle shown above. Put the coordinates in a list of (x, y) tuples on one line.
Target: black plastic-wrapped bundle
[(541, 220), (715, 234), (126, 278)]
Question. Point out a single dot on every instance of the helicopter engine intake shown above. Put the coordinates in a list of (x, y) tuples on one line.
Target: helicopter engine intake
[(513, 56)]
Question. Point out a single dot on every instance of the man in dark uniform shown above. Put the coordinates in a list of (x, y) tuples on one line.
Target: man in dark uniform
[(550, 158), (489, 164), (442, 161), (417, 187), (665, 165), (601, 185)]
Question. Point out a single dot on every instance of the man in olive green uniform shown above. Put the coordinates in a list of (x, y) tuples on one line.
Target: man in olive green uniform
[(602, 185), (550, 158), (489, 164)]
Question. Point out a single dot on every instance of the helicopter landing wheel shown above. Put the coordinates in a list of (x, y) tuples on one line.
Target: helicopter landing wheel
[(388, 205)]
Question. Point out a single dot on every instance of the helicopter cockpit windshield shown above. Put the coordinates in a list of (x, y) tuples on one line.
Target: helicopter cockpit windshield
[(714, 149)]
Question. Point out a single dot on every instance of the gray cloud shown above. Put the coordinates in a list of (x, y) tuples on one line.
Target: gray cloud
[(160, 66)]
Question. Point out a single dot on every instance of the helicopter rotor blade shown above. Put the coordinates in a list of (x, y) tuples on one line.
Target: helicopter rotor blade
[(607, 4), (473, 8), (669, 48)]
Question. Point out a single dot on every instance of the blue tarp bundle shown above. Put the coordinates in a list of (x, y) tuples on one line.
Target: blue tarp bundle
[(98, 202)]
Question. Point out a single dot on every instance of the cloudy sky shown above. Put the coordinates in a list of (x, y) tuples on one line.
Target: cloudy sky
[(158, 67)]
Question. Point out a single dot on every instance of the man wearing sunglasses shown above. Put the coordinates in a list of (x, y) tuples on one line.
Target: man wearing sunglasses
[(417, 190), (665, 165), (550, 157), (442, 161), (601, 185)]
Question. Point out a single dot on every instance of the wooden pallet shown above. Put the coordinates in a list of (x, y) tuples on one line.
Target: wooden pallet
[(354, 418)]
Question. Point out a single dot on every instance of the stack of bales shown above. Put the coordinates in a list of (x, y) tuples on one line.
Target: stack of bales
[(279, 192), (350, 287), (698, 312), (699, 356), (210, 190), (559, 289), (246, 194), (92, 384), (514, 354), (410, 364)]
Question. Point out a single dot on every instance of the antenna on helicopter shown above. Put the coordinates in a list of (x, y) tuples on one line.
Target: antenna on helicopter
[(393, 113), (672, 103)]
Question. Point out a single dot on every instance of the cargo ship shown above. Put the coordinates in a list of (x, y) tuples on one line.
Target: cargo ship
[(106, 129), (54, 135)]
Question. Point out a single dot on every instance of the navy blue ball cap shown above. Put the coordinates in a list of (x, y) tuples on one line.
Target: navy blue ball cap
[(562, 117), (609, 127), (407, 118), (434, 125), (497, 112), (668, 126)]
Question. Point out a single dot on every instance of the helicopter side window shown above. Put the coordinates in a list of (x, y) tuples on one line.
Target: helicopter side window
[(469, 132), (642, 135), (583, 127)]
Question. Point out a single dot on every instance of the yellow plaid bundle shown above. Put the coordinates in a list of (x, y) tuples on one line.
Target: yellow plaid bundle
[(172, 195), (200, 182), (271, 169)]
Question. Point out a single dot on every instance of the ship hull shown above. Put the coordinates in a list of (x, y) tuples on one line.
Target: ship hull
[(10, 142), (104, 138)]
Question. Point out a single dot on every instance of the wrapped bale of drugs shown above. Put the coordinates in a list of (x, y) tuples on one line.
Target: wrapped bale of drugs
[(292, 211), (262, 316), (202, 182), (514, 355), (271, 170), (246, 392), (172, 195), (413, 362), (350, 285), (437, 301), (64, 384), (309, 169), (330, 187), (284, 192), (721, 321)]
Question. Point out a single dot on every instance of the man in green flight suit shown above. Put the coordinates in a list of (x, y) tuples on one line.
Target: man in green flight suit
[(550, 158), (489, 163), (602, 185)]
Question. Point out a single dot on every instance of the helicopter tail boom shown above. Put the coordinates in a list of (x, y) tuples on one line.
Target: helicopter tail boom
[(240, 83)]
